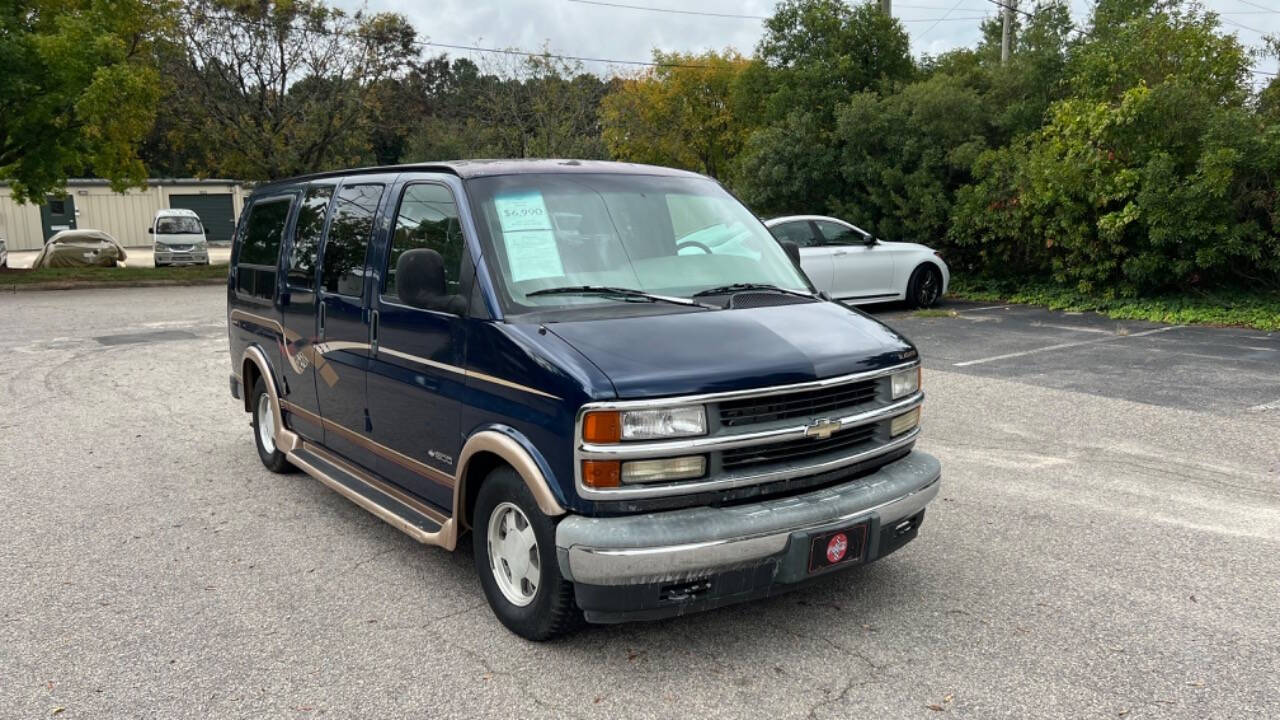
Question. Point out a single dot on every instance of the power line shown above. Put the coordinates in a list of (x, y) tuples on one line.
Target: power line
[(1260, 7), (734, 16), (576, 58), (1229, 21), (944, 17), (451, 46), (624, 6)]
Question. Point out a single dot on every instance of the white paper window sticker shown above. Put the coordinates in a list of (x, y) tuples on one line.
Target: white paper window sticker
[(528, 236)]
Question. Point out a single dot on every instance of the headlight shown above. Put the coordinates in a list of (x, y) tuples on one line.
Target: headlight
[(906, 382), (665, 423), (610, 426)]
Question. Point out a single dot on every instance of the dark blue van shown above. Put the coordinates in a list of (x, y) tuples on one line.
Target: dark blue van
[(611, 374)]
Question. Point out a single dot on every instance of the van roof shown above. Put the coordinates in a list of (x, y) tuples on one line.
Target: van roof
[(467, 169), (184, 212)]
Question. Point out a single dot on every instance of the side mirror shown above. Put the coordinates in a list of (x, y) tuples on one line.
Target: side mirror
[(151, 231), (792, 250), (420, 282)]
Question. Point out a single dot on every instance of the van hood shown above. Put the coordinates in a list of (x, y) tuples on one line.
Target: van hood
[(723, 350)]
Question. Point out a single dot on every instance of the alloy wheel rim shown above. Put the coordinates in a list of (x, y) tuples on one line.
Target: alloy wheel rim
[(513, 554), (928, 289), (266, 424)]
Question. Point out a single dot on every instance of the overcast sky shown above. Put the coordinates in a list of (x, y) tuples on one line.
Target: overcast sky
[(570, 27)]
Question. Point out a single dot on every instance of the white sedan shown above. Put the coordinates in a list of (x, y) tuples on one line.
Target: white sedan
[(854, 267)]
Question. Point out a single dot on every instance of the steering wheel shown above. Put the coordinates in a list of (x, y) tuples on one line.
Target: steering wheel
[(693, 243)]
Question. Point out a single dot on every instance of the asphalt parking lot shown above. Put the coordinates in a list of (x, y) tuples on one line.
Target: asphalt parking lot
[(1105, 545)]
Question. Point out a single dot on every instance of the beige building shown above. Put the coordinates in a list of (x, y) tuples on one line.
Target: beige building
[(92, 204)]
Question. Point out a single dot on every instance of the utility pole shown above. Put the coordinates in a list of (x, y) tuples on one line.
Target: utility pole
[(886, 6), (1009, 7)]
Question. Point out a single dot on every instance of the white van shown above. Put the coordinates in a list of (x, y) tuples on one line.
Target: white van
[(179, 238)]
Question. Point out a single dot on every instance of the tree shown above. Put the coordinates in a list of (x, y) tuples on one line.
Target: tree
[(78, 90), (1153, 174), (283, 87), (513, 105), (904, 156), (824, 51), (680, 113), (815, 56)]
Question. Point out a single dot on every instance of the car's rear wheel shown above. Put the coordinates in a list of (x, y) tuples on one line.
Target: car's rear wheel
[(925, 288), (264, 431), (515, 556)]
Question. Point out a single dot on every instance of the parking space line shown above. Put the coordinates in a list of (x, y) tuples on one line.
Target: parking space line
[(1274, 405), (1077, 328), (1063, 346), (989, 307)]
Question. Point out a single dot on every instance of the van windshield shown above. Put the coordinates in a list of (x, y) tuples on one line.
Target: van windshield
[(178, 225), (669, 236)]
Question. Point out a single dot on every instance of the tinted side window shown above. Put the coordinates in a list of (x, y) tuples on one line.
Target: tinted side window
[(263, 231), (427, 218), (797, 232), (343, 268), (306, 237), (260, 248), (836, 234)]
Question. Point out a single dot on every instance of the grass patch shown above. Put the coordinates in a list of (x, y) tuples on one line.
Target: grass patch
[(1259, 310), (935, 313), (91, 276)]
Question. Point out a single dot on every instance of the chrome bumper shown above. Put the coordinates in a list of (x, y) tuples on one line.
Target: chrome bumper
[(684, 544)]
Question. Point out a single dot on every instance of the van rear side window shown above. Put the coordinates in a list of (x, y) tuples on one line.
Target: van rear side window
[(306, 237), (343, 269), (260, 248)]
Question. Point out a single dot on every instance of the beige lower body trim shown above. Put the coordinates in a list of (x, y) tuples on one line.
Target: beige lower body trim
[(445, 537), (378, 449), (514, 455), (490, 441), (286, 440)]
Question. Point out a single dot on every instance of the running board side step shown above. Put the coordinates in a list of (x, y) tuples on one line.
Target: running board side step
[(409, 515)]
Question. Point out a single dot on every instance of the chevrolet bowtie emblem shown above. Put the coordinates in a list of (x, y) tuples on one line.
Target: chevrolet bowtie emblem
[(822, 429)]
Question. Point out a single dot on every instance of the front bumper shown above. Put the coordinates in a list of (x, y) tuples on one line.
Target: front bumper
[(193, 257), (659, 564)]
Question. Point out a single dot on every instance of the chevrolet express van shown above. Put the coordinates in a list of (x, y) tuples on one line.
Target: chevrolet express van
[(179, 238), (610, 375)]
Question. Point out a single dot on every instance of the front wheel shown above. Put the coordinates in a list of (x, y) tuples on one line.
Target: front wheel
[(264, 431), (925, 288), (515, 556)]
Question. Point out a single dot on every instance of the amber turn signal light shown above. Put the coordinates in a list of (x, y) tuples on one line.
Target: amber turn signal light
[(601, 473), (602, 426)]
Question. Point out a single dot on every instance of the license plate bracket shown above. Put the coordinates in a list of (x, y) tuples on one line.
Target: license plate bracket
[(845, 546)]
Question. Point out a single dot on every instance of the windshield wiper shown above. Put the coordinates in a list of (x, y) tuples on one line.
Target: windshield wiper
[(742, 287), (620, 292)]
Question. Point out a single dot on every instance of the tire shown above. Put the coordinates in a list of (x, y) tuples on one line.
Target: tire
[(925, 288), (548, 609), (271, 457)]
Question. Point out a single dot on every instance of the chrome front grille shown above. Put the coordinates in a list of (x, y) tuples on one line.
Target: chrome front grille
[(766, 435), (790, 451), (750, 411)]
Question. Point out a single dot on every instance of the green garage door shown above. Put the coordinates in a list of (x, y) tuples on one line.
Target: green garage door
[(215, 211)]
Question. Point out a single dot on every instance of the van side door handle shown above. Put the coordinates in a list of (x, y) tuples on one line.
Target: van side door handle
[(321, 319), (373, 332)]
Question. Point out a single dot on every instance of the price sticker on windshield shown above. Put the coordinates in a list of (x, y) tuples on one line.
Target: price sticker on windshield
[(532, 251), (524, 211)]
